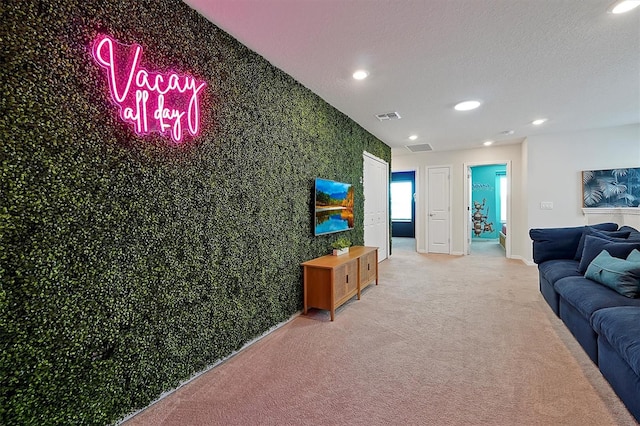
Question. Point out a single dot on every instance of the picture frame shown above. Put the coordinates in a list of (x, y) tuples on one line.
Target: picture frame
[(333, 206), (611, 188)]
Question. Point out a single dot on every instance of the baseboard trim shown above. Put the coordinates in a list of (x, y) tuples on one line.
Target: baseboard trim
[(523, 260)]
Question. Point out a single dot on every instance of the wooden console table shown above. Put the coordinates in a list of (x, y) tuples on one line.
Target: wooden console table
[(329, 281)]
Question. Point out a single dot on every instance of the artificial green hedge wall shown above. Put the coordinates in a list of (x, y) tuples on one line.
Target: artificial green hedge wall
[(128, 264)]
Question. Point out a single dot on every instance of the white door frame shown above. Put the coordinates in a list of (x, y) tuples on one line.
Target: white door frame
[(467, 194)]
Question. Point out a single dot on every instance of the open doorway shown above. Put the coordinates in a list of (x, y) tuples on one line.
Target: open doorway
[(488, 190), (403, 210)]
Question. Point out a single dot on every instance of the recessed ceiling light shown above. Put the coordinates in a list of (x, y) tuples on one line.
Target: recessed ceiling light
[(413, 137), (467, 105), (539, 121), (623, 6), (360, 75), (487, 143), (507, 132)]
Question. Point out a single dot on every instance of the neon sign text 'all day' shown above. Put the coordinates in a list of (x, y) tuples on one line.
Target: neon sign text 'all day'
[(150, 101)]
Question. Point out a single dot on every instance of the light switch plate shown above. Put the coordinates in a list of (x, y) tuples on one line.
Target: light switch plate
[(546, 205)]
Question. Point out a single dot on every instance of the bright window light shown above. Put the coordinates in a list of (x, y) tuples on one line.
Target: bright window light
[(401, 201), (503, 198)]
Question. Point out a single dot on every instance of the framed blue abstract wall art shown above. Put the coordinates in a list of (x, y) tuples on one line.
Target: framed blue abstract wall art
[(611, 188)]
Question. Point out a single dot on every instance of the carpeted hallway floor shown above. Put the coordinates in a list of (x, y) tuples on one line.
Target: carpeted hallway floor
[(443, 340), (487, 248)]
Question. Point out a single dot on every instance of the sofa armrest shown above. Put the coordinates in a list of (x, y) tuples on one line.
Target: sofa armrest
[(560, 243)]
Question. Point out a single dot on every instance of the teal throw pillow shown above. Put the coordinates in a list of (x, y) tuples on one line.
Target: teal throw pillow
[(634, 256), (620, 275)]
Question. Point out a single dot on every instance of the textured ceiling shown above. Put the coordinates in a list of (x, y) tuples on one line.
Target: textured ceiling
[(566, 60)]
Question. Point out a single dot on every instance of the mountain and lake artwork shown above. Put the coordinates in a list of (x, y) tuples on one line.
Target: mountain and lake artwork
[(333, 206)]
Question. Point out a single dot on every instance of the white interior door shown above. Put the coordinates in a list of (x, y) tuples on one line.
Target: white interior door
[(376, 204), (439, 210)]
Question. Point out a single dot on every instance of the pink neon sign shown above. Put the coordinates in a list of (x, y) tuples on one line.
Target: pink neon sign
[(151, 101)]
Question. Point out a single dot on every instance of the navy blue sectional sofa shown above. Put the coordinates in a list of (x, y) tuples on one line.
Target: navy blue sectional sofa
[(590, 277)]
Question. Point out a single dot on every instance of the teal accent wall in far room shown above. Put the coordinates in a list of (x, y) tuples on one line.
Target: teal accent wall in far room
[(130, 263), (485, 192)]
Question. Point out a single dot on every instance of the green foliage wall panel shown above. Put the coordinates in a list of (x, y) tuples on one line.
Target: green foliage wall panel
[(128, 263)]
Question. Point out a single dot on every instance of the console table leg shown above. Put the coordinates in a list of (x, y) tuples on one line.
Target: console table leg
[(304, 311)]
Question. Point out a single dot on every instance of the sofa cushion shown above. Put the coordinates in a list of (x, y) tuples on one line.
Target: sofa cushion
[(620, 326), (587, 296), (634, 233), (620, 275), (588, 230), (560, 243), (594, 245), (553, 270), (634, 256)]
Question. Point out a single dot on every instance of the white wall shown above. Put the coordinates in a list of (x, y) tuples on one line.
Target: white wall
[(457, 159), (554, 170), (622, 216)]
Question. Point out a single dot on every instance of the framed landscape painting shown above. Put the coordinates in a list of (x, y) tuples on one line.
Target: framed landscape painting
[(611, 188), (333, 206)]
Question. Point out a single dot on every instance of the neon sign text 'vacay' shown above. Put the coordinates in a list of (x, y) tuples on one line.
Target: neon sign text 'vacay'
[(150, 101)]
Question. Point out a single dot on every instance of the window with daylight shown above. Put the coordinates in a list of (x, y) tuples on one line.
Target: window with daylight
[(503, 198), (401, 198)]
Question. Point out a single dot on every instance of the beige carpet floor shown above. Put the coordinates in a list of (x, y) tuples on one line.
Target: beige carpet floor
[(442, 340)]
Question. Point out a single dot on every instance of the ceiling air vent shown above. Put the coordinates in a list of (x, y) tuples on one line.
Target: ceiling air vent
[(388, 116), (423, 147)]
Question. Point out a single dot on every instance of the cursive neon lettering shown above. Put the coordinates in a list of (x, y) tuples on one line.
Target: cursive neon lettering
[(157, 114), (150, 101)]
